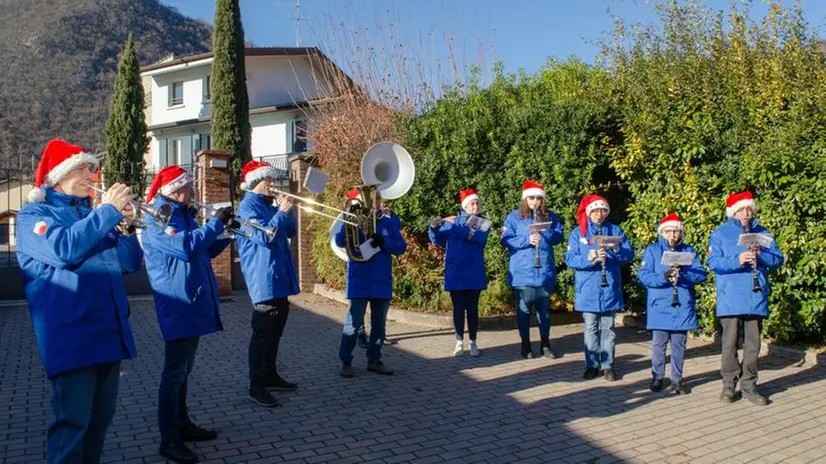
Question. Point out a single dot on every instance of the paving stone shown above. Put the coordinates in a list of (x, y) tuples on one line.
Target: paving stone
[(436, 408)]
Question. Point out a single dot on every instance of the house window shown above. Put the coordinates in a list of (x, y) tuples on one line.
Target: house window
[(173, 152), (300, 141), (203, 142), (176, 94), (4, 234), (207, 91)]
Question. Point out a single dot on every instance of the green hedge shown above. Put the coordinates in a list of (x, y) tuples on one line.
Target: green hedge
[(673, 119)]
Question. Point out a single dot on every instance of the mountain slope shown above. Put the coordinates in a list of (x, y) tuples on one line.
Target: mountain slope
[(58, 59)]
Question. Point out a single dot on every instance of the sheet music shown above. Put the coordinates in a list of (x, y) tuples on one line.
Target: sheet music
[(764, 240), (539, 226), (367, 250), (478, 223), (678, 258), (607, 241)]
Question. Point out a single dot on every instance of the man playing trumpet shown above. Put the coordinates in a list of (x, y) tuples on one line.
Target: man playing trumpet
[(670, 309), (741, 305), (270, 273), (73, 258), (178, 261)]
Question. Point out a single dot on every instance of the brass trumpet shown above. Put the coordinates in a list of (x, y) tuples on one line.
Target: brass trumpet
[(159, 216), (270, 233)]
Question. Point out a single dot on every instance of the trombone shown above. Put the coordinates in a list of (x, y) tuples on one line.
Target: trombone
[(159, 216), (270, 233), (275, 191)]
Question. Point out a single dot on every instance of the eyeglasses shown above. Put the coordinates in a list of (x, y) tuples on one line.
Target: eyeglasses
[(533, 198)]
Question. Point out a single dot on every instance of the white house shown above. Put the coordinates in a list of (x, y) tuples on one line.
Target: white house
[(282, 83)]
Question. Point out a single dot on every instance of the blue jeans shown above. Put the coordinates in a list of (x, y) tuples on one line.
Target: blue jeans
[(354, 320), (539, 298), (465, 300), (678, 339), (172, 410), (83, 402), (599, 340)]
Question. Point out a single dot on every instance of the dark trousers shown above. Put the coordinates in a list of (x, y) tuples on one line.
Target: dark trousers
[(658, 346), (731, 369), (268, 322), (354, 320), (465, 301), (539, 298), (178, 363), (83, 401)]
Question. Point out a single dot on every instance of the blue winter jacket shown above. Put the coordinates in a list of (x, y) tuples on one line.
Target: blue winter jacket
[(661, 315), (734, 283), (464, 255), (178, 261), (267, 265), (516, 238), (590, 297), (73, 261), (374, 278)]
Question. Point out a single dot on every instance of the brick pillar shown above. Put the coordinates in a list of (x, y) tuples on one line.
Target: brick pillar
[(213, 186), (303, 244)]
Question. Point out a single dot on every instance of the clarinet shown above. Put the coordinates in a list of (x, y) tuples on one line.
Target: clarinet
[(604, 282), (755, 283), (675, 300), (536, 263)]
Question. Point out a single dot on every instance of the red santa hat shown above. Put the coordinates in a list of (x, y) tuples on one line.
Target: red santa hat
[(354, 194), (737, 201), (168, 180), (588, 204), (672, 221), (59, 159), (466, 196), (532, 189), (255, 171)]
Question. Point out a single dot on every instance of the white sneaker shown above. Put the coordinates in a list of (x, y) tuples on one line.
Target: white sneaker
[(458, 350), (474, 350)]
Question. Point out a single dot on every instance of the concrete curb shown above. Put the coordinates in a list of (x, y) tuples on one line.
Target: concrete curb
[(767, 348), (445, 321)]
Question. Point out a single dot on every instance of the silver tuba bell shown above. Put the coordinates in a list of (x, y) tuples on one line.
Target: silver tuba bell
[(386, 168)]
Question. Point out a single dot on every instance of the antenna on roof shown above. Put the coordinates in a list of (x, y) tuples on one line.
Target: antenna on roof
[(297, 18)]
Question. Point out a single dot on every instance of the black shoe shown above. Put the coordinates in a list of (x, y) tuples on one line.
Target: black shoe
[(590, 373), (546, 350), (379, 368), (347, 371), (277, 383), (610, 376), (191, 432), (526, 351), (755, 397), (177, 452), (727, 395), (262, 397), (677, 388), (656, 385), (363, 340)]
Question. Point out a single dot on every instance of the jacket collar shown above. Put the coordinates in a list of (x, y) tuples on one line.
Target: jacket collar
[(55, 198), (592, 227), (736, 223), (258, 199), (664, 243)]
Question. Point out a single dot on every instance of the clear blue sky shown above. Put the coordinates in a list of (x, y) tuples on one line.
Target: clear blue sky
[(521, 33)]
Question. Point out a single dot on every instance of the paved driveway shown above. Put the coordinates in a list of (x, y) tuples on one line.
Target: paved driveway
[(495, 408)]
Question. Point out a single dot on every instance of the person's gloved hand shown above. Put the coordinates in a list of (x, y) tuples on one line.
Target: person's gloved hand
[(377, 240), (224, 214)]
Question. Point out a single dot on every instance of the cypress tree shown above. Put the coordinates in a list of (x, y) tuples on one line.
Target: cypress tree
[(126, 140), (230, 102)]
